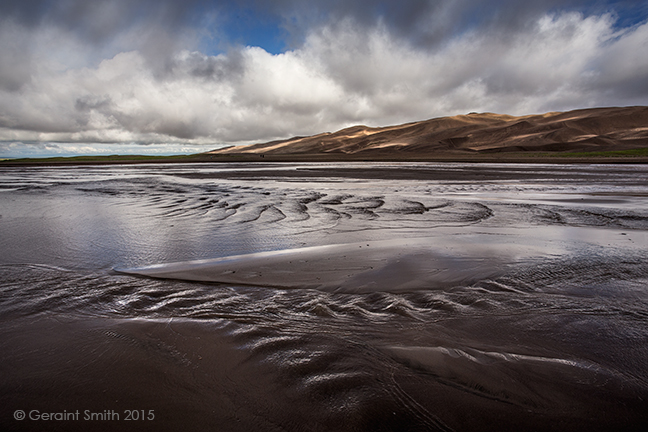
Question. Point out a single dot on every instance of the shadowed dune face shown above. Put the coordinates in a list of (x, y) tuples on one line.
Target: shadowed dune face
[(598, 129)]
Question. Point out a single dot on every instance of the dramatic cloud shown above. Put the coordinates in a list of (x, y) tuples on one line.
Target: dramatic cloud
[(83, 77)]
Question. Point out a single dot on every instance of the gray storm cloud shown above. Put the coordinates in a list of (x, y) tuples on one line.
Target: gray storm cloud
[(137, 72)]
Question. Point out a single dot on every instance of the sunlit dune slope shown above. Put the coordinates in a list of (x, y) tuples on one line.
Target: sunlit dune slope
[(597, 129)]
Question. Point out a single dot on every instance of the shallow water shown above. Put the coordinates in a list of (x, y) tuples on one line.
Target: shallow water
[(325, 297)]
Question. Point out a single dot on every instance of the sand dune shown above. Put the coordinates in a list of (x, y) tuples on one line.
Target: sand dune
[(598, 129)]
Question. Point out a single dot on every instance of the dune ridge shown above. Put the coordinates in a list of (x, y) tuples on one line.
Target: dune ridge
[(594, 129)]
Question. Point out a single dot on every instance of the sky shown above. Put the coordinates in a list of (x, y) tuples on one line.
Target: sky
[(186, 76)]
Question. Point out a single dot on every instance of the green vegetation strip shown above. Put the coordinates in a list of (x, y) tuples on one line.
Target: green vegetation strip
[(613, 153)]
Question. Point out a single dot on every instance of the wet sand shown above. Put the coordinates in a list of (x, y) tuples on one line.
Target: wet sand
[(453, 257), (323, 297)]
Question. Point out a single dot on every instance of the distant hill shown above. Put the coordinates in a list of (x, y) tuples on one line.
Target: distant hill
[(586, 130)]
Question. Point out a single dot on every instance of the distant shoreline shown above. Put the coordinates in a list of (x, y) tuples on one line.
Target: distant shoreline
[(505, 157)]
